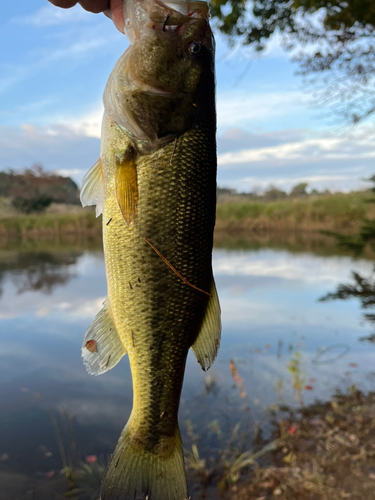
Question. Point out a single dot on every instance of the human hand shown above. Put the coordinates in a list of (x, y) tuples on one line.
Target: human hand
[(111, 8)]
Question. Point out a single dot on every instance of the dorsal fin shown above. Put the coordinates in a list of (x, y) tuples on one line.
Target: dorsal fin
[(102, 348), (92, 192), (207, 343)]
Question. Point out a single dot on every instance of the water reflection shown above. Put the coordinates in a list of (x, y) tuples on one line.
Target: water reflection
[(40, 271), (274, 328), (362, 289)]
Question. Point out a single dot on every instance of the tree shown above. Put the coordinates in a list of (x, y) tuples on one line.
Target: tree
[(34, 189), (273, 193), (335, 38), (364, 236), (299, 190), (362, 289)]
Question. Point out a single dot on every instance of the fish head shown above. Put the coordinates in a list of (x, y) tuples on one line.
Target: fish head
[(165, 81)]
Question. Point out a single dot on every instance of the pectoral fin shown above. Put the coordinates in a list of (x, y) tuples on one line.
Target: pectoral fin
[(102, 348), (207, 343), (92, 192), (126, 185)]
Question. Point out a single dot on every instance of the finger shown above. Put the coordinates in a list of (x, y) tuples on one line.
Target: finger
[(117, 14), (64, 4), (95, 6), (108, 13)]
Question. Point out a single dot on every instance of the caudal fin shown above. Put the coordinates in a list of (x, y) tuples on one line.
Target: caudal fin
[(137, 474)]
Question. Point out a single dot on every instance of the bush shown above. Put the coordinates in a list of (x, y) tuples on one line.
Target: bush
[(37, 203)]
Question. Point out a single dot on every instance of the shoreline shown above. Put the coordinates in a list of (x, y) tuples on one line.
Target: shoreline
[(338, 212), (83, 223), (343, 212)]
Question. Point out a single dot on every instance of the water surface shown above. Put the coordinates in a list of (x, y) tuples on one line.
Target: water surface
[(269, 291)]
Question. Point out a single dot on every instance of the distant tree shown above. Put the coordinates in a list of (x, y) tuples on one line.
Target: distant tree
[(28, 205), (220, 191), (256, 191), (299, 190), (335, 38), (273, 193), (34, 189), (364, 236)]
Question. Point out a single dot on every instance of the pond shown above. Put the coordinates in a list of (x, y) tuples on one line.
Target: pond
[(280, 346)]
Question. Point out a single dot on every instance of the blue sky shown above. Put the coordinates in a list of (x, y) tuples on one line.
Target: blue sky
[(53, 68)]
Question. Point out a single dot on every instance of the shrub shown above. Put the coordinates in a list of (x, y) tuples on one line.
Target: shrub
[(37, 203)]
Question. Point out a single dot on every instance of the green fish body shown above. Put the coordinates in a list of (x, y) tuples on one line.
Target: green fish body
[(155, 184)]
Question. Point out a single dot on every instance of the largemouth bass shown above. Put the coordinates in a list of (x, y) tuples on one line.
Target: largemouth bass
[(155, 185)]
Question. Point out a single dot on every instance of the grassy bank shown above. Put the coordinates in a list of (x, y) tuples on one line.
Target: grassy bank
[(335, 212), (47, 225)]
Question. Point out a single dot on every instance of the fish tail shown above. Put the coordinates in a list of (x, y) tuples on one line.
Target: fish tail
[(134, 473)]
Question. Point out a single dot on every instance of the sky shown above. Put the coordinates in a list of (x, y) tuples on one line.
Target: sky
[(54, 65)]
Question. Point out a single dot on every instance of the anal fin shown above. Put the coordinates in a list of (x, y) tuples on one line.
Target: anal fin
[(102, 348), (126, 184), (92, 192), (207, 343)]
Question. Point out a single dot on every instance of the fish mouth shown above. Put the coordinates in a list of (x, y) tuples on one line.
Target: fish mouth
[(168, 17), (172, 16)]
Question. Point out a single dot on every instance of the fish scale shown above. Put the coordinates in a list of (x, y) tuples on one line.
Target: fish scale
[(172, 312)]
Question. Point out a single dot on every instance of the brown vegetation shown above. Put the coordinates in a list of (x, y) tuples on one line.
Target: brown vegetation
[(49, 225), (327, 452), (34, 189), (329, 212), (236, 214)]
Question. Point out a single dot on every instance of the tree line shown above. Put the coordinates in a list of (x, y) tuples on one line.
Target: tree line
[(272, 193), (34, 189)]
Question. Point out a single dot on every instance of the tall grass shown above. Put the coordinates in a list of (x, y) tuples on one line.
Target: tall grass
[(336, 212), (341, 211), (83, 222)]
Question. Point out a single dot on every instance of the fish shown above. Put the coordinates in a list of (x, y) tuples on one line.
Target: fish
[(155, 186)]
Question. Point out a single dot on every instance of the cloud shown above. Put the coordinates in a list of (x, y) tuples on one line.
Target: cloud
[(72, 301), (239, 108), (87, 309), (13, 76), (237, 139), (67, 48), (51, 16), (88, 125), (75, 50), (58, 147), (79, 308), (305, 268), (324, 159), (70, 146), (310, 150)]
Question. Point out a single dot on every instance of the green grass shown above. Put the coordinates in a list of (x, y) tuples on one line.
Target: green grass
[(48, 224), (337, 211)]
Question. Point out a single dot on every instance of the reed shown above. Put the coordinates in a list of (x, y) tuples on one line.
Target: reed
[(334, 212), (83, 222)]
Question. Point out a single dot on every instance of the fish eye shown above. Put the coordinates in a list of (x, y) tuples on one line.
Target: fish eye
[(196, 49)]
